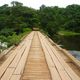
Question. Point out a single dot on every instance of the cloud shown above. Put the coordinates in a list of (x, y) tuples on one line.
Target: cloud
[(37, 3)]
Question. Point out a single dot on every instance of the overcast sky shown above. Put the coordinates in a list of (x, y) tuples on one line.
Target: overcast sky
[(37, 3)]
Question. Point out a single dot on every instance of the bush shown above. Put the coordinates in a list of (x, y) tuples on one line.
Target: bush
[(3, 38), (13, 40), (26, 29), (6, 32)]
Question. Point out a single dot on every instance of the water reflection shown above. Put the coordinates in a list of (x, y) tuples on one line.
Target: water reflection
[(76, 54), (71, 43)]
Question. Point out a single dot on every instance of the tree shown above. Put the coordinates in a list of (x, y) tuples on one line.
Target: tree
[(15, 3)]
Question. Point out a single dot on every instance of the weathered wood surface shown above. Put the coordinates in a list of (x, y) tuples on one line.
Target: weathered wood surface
[(36, 59), (7, 70), (62, 68), (36, 67)]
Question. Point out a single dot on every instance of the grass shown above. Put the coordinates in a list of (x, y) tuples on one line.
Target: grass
[(68, 33)]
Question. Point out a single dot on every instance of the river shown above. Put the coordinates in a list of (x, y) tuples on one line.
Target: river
[(71, 43)]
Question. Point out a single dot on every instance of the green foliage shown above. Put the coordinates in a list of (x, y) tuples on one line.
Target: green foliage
[(6, 32), (68, 33), (17, 19), (2, 38), (72, 18), (49, 17), (26, 29), (55, 19), (14, 39)]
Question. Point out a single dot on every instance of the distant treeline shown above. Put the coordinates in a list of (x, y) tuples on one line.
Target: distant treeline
[(16, 18), (53, 19)]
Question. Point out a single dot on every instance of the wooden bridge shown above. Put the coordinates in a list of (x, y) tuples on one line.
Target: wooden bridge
[(38, 58)]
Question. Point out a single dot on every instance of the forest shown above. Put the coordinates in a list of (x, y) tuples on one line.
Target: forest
[(17, 20)]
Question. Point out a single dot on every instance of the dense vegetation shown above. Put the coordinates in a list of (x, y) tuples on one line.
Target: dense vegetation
[(62, 25), (54, 19), (15, 22), (17, 19)]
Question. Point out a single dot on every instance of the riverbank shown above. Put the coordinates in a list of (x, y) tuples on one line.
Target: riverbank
[(70, 41), (67, 40), (68, 33)]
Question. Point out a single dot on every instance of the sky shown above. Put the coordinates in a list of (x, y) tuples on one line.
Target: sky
[(37, 3)]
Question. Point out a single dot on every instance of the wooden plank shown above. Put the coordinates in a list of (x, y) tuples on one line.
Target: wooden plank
[(21, 64), (74, 60), (8, 74), (36, 67), (18, 57), (20, 67), (54, 73), (15, 77), (7, 62), (48, 57), (5, 52), (59, 67), (53, 70), (69, 71)]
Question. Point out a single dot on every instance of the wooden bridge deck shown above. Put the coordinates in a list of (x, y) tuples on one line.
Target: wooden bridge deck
[(37, 59)]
